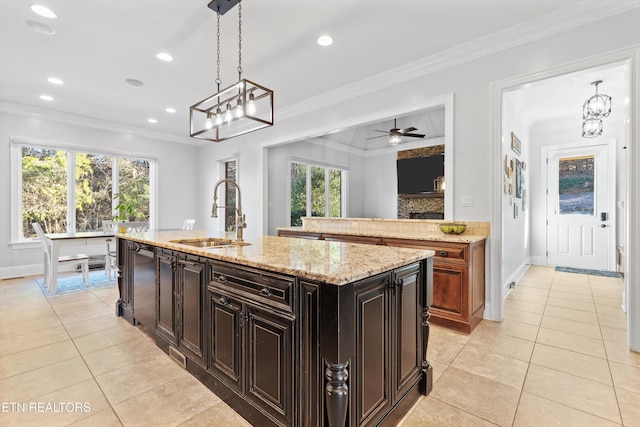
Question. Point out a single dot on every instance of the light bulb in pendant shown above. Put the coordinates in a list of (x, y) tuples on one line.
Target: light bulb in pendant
[(219, 119), (251, 105), (227, 115), (239, 109), (209, 123)]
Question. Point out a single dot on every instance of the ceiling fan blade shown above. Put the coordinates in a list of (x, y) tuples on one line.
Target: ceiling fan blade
[(414, 135), (374, 137), (383, 131), (404, 131)]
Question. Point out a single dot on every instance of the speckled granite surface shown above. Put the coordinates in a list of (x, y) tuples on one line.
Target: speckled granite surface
[(330, 262), (416, 229)]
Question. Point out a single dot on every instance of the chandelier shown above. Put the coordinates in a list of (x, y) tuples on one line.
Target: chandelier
[(240, 108), (594, 110)]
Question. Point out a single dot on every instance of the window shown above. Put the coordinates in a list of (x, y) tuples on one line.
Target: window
[(230, 172), (316, 190), (71, 189), (575, 185)]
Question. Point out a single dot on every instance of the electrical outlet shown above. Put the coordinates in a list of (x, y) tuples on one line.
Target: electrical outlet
[(467, 201)]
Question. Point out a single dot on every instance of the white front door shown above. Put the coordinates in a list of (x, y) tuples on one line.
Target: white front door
[(580, 191)]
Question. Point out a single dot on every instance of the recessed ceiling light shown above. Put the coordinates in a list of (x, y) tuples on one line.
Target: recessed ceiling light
[(43, 11), (170, 110), (154, 121), (134, 82), (40, 28), (325, 40), (164, 56), (46, 98), (55, 81)]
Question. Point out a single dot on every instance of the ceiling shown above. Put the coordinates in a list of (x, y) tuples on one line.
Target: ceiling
[(98, 44)]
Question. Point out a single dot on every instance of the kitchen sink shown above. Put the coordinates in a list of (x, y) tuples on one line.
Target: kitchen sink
[(210, 242)]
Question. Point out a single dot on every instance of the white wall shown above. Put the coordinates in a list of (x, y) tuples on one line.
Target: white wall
[(176, 172), (472, 83), (381, 186), (516, 239)]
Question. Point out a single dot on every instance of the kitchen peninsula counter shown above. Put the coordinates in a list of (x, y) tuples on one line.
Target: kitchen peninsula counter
[(288, 332)]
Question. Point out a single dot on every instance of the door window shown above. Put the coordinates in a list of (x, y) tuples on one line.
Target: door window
[(575, 184)]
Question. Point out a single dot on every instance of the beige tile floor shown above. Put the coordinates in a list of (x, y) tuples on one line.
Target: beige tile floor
[(558, 358)]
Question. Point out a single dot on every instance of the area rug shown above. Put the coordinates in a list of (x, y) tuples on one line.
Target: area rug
[(73, 283), (585, 271)]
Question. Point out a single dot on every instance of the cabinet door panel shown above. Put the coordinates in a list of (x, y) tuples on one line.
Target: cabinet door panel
[(192, 308), (225, 351), (407, 333), (450, 291), (166, 298), (372, 345), (270, 356)]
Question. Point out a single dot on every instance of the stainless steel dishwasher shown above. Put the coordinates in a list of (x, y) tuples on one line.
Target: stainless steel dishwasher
[(144, 288)]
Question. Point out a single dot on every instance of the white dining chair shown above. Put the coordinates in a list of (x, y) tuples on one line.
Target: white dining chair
[(188, 224), (70, 261), (110, 258)]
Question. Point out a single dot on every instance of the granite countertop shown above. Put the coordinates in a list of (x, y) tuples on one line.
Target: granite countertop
[(335, 263), (440, 237)]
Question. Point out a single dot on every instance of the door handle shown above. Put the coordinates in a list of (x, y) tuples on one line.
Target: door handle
[(603, 225)]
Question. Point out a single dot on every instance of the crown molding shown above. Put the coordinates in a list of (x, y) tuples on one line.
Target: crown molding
[(570, 17), (83, 121)]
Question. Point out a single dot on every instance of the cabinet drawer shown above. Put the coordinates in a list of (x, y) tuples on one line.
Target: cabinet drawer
[(457, 253), (254, 284)]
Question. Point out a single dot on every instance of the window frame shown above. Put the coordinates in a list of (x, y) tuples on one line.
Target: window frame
[(326, 166), (17, 142)]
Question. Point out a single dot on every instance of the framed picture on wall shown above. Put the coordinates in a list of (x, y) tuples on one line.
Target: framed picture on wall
[(518, 177), (516, 145)]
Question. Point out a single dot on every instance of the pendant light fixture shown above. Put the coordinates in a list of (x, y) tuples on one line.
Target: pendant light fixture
[(238, 109), (594, 110)]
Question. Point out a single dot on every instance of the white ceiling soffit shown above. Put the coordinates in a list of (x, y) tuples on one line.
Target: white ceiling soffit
[(99, 44)]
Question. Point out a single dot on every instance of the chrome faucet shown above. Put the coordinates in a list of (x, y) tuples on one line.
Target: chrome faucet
[(240, 217)]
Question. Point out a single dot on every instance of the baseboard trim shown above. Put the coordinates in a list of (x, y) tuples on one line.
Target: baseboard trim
[(21, 271), (515, 277)]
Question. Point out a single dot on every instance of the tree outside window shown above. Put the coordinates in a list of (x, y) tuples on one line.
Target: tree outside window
[(315, 191), (47, 198)]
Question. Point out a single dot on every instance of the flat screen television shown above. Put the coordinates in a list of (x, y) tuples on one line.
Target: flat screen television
[(417, 175)]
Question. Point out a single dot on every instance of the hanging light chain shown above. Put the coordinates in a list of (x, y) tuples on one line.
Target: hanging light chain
[(240, 40), (218, 81)]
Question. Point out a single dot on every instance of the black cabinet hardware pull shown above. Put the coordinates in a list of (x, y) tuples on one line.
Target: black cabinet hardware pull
[(266, 292), (443, 253)]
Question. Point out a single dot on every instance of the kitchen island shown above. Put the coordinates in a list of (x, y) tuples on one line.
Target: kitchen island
[(287, 331)]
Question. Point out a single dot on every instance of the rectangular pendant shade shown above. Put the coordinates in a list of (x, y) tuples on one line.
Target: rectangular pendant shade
[(255, 103)]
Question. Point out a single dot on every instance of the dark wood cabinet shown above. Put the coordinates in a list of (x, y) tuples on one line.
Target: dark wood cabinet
[(252, 334), (283, 350), (458, 275), (166, 326), (388, 344), (191, 285), (124, 260)]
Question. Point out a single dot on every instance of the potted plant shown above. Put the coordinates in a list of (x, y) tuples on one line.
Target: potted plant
[(125, 209)]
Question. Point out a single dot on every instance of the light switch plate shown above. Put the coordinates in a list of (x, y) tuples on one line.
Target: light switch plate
[(467, 201)]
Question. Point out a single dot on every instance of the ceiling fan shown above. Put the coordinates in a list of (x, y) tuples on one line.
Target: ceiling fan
[(395, 134)]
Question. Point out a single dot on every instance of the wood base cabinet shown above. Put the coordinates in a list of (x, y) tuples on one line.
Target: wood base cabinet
[(252, 334)]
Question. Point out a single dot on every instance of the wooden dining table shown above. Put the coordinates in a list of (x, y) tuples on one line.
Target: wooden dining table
[(59, 240)]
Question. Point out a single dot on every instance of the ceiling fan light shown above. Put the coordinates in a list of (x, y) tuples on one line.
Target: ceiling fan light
[(395, 139)]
